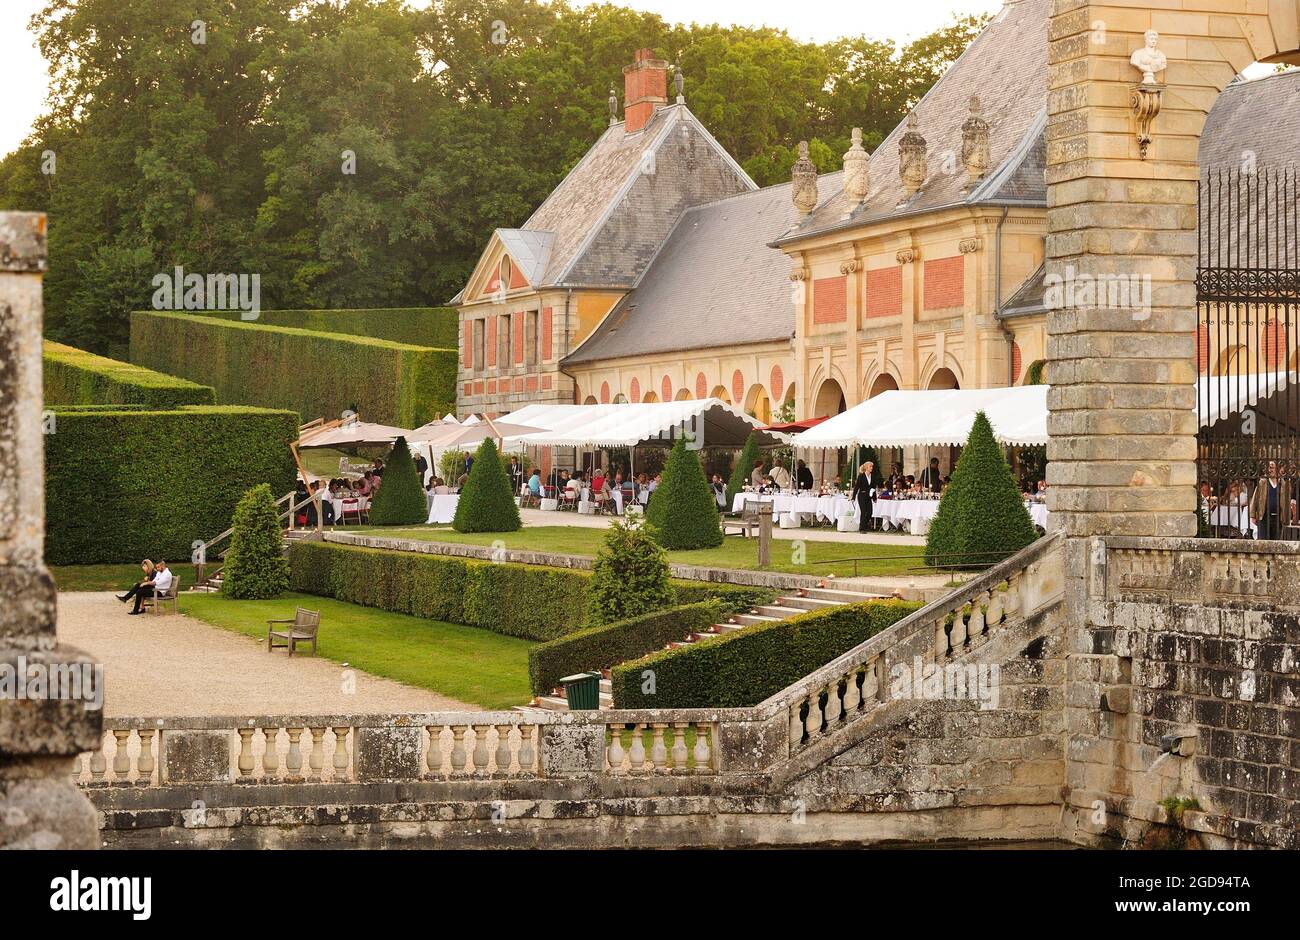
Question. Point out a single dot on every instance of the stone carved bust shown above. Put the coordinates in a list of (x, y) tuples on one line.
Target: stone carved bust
[(856, 177), (1149, 59), (803, 176), (912, 164)]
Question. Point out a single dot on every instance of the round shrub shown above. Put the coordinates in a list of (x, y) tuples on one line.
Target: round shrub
[(982, 514), (683, 510), (401, 499), (630, 574), (487, 503), (256, 568)]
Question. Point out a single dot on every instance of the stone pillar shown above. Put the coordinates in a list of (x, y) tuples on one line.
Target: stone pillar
[(39, 806)]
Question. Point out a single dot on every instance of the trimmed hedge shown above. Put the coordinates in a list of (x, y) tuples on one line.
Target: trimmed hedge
[(123, 484), (487, 500), (401, 499), (744, 467), (683, 510), (415, 326), (315, 374), (604, 646), (743, 668), (255, 568), (528, 601), (76, 377)]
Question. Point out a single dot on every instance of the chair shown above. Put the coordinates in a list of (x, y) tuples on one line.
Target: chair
[(747, 522), (303, 627), (169, 596), (569, 499)]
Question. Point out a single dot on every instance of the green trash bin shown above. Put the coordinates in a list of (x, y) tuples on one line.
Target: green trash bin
[(582, 691)]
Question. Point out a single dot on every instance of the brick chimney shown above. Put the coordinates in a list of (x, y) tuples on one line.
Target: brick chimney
[(645, 89)]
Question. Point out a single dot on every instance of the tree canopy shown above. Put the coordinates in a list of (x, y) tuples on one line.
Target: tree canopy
[(360, 152)]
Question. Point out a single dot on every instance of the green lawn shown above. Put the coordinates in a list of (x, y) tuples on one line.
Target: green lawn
[(111, 577), (734, 552), (476, 666)]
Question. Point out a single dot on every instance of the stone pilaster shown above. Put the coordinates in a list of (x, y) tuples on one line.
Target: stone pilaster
[(39, 806)]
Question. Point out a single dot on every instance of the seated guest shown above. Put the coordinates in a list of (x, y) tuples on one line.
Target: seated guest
[(535, 483), (756, 476), (158, 586), (597, 482), (366, 485), (147, 568), (379, 467), (719, 489), (575, 482), (803, 476)]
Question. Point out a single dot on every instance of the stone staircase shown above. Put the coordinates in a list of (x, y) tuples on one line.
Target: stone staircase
[(789, 605), (212, 584)]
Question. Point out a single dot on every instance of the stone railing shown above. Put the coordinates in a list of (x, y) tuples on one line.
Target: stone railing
[(369, 748), (858, 682), (145, 753)]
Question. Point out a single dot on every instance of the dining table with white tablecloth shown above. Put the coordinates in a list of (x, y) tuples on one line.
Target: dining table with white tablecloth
[(442, 508), (355, 504)]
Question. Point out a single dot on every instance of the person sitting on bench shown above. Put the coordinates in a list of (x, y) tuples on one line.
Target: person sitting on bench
[(162, 582)]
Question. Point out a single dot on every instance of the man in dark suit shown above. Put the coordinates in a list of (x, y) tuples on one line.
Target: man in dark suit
[(803, 476), (931, 479)]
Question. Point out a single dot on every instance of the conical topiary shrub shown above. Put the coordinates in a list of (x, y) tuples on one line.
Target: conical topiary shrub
[(487, 503), (255, 567), (401, 499), (982, 510), (683, 510), (743, 468), (630, 574)]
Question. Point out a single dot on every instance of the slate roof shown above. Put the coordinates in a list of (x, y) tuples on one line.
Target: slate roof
[(1006, 66), (715, 282)]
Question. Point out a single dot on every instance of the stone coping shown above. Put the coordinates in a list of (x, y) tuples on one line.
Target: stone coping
[(1187, 544), (420, 720)]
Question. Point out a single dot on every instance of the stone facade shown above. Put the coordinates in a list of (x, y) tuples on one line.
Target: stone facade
[(39, 808)]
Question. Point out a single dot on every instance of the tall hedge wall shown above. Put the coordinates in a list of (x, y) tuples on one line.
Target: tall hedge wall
[(610, 644), (745, 667), (415, 326), (315, 374), (529, 601), (76, 377), (126, 484)]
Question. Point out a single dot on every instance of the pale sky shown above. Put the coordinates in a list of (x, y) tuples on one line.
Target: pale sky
[(23, 76)]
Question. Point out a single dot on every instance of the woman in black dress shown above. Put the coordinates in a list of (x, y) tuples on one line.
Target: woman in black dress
[(862, 494)]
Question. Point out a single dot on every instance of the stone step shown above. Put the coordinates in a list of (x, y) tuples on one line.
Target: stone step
[(748, 620), (722, 628), (777, 612), (841, 595), (807, 603)]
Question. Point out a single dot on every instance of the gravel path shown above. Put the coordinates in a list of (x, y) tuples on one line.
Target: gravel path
[(174, 665)]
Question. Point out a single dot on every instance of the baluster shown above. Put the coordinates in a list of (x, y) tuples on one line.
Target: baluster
[(995, 611), (480, 749), (871, 682), (341, 753), (940, 640), (832, 702), (317, 759), (527, 755), (796, 724), (433, 757), (98, 764), (813, 724), (658, 753), (76, 770), (852, 697), (244, 763), (458, 752), (679, 751), (1011, 598), (636, 754), (293, 763), (145, 763), (271, 755), (957, 635), (615, 753), (503, 749), (121, 760), (976, 626), (703, 753)]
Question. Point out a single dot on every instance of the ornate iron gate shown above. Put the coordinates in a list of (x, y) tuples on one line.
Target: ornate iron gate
[(1248, 350)]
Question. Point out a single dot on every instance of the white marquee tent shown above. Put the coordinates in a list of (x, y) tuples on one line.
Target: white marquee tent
[(709, 420)]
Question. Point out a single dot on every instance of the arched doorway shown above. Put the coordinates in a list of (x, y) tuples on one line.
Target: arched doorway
[(620, 399), (943, 379), (720, 391), (830, 400), (883, 383), (649, 398), (758, 405), (683, 394), (591, 400)]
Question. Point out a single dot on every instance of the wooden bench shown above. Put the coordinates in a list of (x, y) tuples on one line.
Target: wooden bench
[(169, 596), (746, 522), (303, 628)]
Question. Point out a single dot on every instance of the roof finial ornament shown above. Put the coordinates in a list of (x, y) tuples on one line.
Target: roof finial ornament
[(975, 143), (912, 166), (680, 84), (613, 108), (856, 176), (803, 176)]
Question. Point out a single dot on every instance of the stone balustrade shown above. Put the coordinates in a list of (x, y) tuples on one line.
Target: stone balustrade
[(858, 682)]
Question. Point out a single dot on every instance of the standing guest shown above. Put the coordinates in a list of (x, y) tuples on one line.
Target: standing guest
[(421, 466), (862, 493), (931, 479), (1270, 504), (469, 463), (756, 476), (780, 476), (719, 489), (896, 479), (803, 476), (146, 567), (161, 583), (516, 472), (378, 469)]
